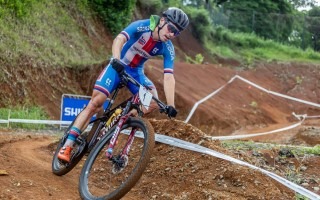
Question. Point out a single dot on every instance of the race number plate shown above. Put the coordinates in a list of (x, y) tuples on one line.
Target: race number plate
[(145, 97)]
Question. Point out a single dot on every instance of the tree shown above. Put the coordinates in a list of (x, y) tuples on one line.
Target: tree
[(314, 27), (267, 18), (303, 3)]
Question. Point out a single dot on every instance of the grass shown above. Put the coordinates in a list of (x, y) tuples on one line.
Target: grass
[(22, 112), (248, 48), (250, 145), (50, 34)]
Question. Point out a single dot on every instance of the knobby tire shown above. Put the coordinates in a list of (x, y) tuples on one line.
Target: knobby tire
[(58, 167), (97, 181)]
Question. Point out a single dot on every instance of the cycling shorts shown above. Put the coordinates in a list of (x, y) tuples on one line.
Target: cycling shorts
[(109, 80)]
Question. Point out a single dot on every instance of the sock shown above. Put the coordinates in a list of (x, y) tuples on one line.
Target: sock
[(73, 135)]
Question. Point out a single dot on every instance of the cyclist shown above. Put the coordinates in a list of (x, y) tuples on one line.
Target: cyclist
[(137, 43)]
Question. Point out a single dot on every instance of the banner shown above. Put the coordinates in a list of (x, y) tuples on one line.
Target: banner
[(72, 105)]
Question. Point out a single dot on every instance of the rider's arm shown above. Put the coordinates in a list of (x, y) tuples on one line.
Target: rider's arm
[(130, 31), (169, 80), (169, 88), (117, 45)]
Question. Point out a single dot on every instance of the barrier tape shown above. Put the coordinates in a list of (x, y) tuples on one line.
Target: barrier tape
[(232, 137), (200, 149), (197, 148), (35, 121), (250, 83)]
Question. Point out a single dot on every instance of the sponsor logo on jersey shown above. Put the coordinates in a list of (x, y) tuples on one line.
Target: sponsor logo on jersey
[(155, 50), (143, 28), (142, 41), (171, 50), (141, 52)]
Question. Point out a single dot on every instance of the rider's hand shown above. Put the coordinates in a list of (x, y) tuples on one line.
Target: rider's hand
[(171, 111), (117, 65)]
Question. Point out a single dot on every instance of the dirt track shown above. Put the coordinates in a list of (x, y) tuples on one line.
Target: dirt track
[(173, 173), (28, 160)]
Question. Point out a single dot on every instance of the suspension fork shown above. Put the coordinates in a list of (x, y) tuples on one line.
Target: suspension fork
[(123, 119), (115, 135), (126, 149)]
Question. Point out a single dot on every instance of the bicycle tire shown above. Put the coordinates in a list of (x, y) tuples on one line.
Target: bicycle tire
[(60, 168), (97, 178)]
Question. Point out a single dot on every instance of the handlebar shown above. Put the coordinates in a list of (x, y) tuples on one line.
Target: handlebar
[(125, 77)]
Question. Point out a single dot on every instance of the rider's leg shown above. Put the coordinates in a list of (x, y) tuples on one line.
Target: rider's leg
[(95, 105), (81, 123), (105, 84)]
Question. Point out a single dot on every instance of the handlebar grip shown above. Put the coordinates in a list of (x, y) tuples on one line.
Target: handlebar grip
[(171, 111)]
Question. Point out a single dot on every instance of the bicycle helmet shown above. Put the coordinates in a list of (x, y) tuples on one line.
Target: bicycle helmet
[(177, 17)]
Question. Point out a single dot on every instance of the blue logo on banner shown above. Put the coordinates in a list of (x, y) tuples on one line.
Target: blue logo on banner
[(72, 105)]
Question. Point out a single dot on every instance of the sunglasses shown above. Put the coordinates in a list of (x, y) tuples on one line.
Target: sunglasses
[(172, 28)]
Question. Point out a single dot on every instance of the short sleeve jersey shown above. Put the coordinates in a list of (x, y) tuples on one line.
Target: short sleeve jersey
[(140, 47)]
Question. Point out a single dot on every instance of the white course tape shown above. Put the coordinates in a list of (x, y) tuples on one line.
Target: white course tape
[(34, 121), (305, 116), (200, 149), (250, 83), (197, 148), (232, 137), (4, 121), (30, 121)]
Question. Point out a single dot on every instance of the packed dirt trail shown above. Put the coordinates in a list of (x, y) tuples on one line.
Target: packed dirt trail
[(26, 158), (174, 173), (27, 161)]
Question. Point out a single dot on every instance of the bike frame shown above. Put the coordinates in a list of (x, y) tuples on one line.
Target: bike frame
[(129, 104), (93, 136), (133, 103)]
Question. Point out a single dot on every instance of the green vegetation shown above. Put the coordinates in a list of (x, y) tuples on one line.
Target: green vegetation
[(60, 33), (248, 48), (23, 112), (197, 60), (115, 14), (52, 32), (256, 31), (301, 197), (47, 32), (17, 8), (250, 145)]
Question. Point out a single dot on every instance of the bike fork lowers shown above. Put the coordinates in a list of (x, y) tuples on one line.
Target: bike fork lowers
[(113, 141)]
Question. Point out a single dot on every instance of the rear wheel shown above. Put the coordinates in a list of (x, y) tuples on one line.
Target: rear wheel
[(102, 178), (79, 150), (61, 168)]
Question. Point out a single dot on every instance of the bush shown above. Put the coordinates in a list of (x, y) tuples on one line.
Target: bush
[(151, 7), (18, 8), (115, 14), (199, 22)]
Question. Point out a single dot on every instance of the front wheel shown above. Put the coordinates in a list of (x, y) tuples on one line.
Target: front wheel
[(102, 178)]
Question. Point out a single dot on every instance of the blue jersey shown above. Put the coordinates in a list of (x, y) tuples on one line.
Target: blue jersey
[(140, 46)]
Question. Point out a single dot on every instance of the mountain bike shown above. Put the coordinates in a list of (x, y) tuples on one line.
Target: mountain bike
[(88, 139), (120, 144)]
